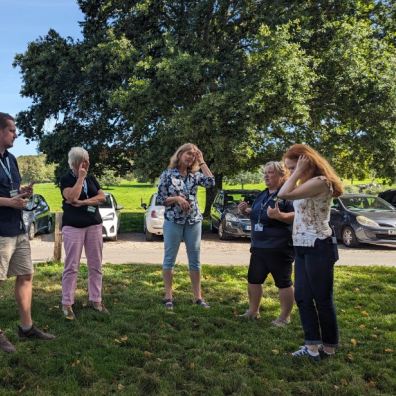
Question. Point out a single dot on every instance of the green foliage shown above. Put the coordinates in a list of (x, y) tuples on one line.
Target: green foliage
[(35, 168), (108, 178), (143, 349), (243, 80), (243, 178)]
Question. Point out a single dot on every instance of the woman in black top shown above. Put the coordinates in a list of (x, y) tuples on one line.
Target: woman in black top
[(271, 244), (81, 228)]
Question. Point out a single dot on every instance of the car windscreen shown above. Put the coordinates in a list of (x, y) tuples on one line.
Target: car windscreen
[(357, 204), (107, 203), (231, 199)]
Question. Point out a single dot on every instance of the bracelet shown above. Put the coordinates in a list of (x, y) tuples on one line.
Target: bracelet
[(202, 163)]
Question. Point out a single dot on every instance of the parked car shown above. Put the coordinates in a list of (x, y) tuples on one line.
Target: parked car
[(37, 216), (225, 218), (389, 196), (363, 218), (111, 216), (153, 218)]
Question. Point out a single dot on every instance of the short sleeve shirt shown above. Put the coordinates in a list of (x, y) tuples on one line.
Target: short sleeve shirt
[(272, 234), (80, 217), (11, 223)]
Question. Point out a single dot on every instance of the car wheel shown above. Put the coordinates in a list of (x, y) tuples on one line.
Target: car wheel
[(48, 230), (349, 238), (114, 238), (31, 231), (222, 234), (149, 236)]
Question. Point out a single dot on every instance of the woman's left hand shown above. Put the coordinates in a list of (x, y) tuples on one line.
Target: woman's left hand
[(199, 156), (303, 164), (273, 213)]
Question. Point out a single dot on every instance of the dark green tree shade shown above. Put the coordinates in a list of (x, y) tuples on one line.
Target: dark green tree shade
[(241, 79)]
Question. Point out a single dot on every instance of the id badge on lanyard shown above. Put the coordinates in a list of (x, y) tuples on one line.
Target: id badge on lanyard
[(258, 227)]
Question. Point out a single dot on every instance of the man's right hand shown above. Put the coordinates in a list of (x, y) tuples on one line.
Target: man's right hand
[(18, 202), (242, 206)]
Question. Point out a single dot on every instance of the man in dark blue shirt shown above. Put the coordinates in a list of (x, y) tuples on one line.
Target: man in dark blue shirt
[(15, 257)]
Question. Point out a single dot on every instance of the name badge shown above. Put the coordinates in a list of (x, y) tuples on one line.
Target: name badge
[(258, 227), (13, 193), (91, 209)]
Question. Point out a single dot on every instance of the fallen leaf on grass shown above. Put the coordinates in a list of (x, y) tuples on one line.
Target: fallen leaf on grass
[(362, 326), (147, 354), (365, 313), (124, 338), (275, 351), (374, 336), (353, 342), (349, 357), (120, 387), (388, 350)]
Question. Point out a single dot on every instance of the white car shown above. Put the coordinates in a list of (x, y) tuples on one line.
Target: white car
[(153, 218), (110, 213)]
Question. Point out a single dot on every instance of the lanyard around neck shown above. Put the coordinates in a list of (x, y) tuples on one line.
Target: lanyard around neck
[(7, 169)]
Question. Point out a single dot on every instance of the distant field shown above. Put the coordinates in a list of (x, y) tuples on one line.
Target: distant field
[(131, 194)]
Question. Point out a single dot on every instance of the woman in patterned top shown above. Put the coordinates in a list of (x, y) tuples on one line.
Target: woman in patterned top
[(312, 185), (177, 190)]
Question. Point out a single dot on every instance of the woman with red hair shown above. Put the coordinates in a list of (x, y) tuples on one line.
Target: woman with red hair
[(312, 185)]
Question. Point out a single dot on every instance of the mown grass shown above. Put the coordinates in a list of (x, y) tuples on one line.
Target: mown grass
[(142, 349)]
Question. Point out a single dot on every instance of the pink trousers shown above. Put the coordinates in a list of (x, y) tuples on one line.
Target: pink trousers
[(74, 239)]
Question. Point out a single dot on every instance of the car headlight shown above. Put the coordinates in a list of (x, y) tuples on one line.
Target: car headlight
[(231, 217), (110, 216), (363, 220), (25, 217)]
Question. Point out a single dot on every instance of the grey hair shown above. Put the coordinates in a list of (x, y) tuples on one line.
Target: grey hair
[(76, 156), (279, 168)]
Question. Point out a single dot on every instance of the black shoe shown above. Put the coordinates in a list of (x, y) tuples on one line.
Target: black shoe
[(34, 332), (6, 345)]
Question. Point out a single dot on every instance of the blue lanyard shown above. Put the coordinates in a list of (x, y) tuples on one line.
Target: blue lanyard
[(7, 171), (263, 204)]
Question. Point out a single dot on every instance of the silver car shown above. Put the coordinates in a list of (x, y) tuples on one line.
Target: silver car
[(153, 218)]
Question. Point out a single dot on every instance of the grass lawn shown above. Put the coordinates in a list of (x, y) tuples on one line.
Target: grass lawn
[(141, 349)]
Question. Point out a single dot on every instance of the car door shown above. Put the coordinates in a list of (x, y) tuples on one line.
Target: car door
[(337, 217), (216, 210), (41, 212)]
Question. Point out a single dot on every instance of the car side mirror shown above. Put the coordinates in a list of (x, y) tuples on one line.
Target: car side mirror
[(144, 206)]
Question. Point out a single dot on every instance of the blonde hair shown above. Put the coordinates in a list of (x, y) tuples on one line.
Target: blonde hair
[(278, 167), (174, 160), (318, 164), (76, 156)]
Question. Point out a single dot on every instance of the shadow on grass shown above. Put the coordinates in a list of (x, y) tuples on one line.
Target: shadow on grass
[(143, 349)]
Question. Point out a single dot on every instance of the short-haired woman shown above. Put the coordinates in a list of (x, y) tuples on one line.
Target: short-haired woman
[(81, 228), (177, 190), (312, 185), (271, 244)]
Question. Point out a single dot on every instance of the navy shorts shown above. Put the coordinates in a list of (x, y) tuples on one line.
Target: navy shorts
[(277, 262)]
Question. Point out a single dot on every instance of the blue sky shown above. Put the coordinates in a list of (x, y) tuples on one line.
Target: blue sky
[(23, 21)]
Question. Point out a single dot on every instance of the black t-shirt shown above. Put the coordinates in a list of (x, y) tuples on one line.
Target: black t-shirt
[(11, 223), (274, 233), (80, 217)]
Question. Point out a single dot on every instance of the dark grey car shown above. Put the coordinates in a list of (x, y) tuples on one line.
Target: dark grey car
[(37, 216), (224, 216), (363, 218)]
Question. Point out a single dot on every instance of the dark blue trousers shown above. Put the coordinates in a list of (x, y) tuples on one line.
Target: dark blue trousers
[(313, 292)]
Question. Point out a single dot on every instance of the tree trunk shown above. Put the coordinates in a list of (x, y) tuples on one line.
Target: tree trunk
[(211, 193)]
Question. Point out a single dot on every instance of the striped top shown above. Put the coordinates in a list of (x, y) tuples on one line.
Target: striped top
[(311, 218)]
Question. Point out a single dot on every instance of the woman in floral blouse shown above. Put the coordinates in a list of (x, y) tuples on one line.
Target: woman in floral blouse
[(177, 190), (312, 185)]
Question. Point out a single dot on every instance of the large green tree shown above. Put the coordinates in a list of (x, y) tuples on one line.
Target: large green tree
[(241, 79)]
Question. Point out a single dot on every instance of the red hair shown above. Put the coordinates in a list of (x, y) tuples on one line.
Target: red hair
[(319, 164)]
